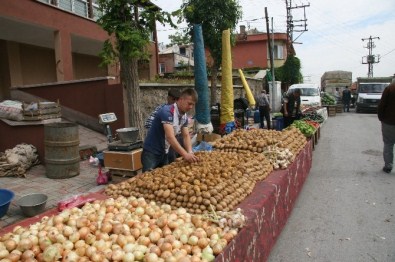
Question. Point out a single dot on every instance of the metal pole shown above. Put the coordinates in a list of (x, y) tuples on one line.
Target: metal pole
[(273, 79)]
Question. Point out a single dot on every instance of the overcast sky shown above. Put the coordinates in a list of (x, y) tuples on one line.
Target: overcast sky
[(335, 32)]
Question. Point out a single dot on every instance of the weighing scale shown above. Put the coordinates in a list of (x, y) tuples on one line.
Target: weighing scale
[(120, 158), (116, 145)]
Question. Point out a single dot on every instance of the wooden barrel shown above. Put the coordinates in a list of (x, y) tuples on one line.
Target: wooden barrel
[(62, 159)]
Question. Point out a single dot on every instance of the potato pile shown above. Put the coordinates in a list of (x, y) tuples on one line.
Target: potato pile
[(219, 181), (255, 140), (292, 139), (273, 144)]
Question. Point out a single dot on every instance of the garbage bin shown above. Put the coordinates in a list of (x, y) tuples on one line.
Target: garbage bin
[(257, 118), (278, 123)]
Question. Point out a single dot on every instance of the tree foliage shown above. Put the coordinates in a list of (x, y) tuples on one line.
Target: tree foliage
[(290, 72), (214, 16), (179, 39), (130, 24)]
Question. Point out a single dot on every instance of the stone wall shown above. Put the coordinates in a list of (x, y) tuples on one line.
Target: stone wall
[(154, 94)]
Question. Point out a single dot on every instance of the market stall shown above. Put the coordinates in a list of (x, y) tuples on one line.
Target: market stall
[(243, 205)]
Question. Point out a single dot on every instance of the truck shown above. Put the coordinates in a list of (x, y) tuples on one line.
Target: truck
[(331, 80), (369, 91)]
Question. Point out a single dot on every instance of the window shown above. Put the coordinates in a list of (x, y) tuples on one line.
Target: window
[(278, 51), (183, 51), (162, 68)]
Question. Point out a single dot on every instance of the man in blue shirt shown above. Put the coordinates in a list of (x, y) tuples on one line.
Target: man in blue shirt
[(172, 97), (169, 122)]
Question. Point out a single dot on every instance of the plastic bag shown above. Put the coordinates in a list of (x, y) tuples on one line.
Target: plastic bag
[(94, 161), (101, 179), (74, 201), (202, 146)]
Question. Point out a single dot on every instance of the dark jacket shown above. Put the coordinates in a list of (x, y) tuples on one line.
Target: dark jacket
[(346, 96), (292, 101), (386, 108)]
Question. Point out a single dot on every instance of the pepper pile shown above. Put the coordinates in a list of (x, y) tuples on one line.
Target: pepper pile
[(304, 127)]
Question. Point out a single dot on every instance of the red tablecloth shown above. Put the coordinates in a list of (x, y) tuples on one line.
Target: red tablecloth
[(267, 209)]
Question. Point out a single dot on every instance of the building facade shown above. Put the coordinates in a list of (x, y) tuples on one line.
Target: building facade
[(252, 49), (176, 58), (49, 41)]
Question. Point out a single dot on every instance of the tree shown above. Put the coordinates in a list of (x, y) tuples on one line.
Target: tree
[(179, 39), (130, 23), (290, 72), (214, 16)]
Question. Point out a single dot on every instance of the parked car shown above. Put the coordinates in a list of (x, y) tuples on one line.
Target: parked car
[(310, 94)]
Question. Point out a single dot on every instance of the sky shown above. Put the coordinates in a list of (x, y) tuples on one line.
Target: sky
[(335, 29)]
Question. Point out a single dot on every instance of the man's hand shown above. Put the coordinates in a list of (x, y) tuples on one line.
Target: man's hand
[(191, 158)]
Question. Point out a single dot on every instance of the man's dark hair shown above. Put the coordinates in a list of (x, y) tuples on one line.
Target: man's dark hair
[(174, 93)]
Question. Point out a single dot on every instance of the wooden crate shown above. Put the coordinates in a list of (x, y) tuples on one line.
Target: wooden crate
[(339, 108), (121, 160), (331, 110)]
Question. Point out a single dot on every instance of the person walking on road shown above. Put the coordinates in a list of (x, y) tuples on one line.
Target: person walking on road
[(346, 99), (264, 109), (386, 114)]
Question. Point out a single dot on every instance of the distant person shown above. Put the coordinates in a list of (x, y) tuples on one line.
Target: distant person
[(386, 114), (346, 99), (291, 107), (337, 94), (263, 106), (170, 121)]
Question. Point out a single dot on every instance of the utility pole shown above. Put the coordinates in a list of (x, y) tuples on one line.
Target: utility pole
[(294, 25), (269, 42), (370, 59)]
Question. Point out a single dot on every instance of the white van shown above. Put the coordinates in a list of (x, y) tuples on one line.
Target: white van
[(310, 94)]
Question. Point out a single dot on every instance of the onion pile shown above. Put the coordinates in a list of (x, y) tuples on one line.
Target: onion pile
[(219, 181), (122, 229)]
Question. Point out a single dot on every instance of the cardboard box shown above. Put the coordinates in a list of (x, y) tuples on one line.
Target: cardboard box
[(121, 160), (207, 137)]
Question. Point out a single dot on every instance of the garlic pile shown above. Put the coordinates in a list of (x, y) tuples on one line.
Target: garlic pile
[(280, 158), (219, 179)]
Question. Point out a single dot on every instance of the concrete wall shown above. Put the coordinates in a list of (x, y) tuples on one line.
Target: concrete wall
[(37, 64), (86, 66)]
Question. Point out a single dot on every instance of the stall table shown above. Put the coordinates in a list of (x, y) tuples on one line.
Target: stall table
[(266, 209)]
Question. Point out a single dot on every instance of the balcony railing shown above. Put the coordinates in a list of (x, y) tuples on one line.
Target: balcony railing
[(84, 8)]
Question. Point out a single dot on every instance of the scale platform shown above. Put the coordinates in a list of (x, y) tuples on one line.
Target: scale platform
[(119, 146)]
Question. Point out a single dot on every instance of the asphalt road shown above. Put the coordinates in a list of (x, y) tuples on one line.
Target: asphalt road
[(346, 209)]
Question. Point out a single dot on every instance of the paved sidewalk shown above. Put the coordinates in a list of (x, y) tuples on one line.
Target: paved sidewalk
[(56, 189)]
